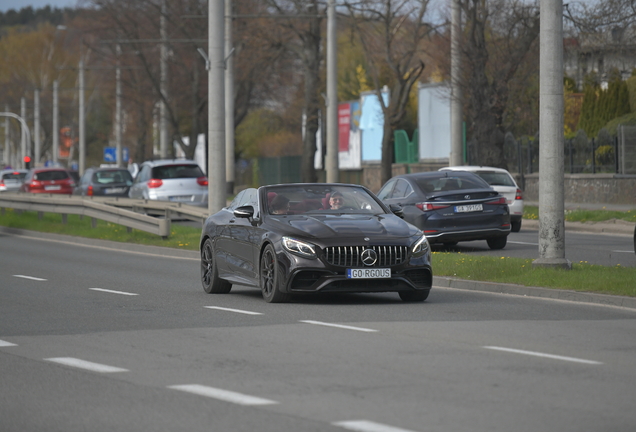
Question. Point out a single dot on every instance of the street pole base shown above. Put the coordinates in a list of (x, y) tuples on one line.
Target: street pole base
[(552, 263)]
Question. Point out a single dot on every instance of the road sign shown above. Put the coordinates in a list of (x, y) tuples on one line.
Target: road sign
[(110, 154)]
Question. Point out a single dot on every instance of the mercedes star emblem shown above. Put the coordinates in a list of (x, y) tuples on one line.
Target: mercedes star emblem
[(369, 257)]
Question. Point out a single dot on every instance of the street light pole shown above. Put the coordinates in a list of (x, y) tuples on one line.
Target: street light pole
[(36, 127), (23, 141), (118, 125), (56, 122), (332, 95), (82, 126), (216, 108), (229, 99), (163, 83), (456, 156)]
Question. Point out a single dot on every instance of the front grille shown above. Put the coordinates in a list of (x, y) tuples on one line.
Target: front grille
[(350, 256)]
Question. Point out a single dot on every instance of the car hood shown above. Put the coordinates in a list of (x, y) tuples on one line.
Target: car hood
[(346, 226)]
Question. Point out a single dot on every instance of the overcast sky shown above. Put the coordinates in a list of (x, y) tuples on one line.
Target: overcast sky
[(36, 4)]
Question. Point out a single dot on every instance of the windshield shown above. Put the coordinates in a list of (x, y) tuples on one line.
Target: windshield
[(497, 179), (320, 198)]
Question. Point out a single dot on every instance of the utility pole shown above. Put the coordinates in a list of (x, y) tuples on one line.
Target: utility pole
[(82, 121), (24, 144), (7, 142), (331, 162), (56, 122), (36, 127), (229, 99), (457, 135), (216, 108), (163, 83), (551, 141), (118, 126)]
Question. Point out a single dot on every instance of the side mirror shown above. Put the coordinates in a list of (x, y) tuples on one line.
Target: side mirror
[(397, 210), (244, 212)]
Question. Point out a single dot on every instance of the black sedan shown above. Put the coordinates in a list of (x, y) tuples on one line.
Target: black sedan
[(313, 237), (450, 206), (104, 181)]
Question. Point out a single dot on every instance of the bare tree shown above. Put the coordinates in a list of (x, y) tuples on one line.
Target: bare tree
[(392, 34), (498, 36)]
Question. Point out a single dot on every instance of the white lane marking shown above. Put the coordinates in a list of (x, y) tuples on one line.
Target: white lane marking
[(368, 426), (619, 251), (538, 354), (29, 277), (524, 243), (224, 395), (83, 364), (362, 329), (113, 292), (6, 344), (233, 310)]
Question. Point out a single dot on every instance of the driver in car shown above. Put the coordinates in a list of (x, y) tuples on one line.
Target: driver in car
[(336, 201)]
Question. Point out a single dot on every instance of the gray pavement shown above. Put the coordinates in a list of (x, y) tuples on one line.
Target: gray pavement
[(438, 281)]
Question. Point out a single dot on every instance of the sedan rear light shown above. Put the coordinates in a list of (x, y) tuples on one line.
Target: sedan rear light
[(89, 192), (203, 181), (519, 195), (154, 183), (425, 206), (497, 201)]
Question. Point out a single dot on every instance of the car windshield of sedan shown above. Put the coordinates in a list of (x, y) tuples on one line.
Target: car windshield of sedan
[(115, 176), (50, 175), (316, 199), (497, 179)]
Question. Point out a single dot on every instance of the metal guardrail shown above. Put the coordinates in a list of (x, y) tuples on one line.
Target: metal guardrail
[(131, 213)]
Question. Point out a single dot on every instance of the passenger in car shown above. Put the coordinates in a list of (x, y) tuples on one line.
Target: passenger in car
[(279, 205)]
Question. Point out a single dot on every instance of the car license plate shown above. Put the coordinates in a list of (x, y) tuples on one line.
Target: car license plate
[(469, 208), (58, 187), (114, 190), (370, 273), (181, 198)]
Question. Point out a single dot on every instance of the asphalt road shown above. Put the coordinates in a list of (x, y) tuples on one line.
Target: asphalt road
[(102, 339), (592, 248)]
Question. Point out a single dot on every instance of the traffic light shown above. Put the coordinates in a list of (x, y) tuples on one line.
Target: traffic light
[(27, 162)]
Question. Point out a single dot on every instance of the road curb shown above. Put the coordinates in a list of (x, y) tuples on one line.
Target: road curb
[(526, 291), (617, 227)]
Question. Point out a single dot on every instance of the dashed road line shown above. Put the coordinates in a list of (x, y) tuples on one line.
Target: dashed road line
[(224, 395), (30, 278), (113, 292), (233, 310), (346, 327), (83, 364), (368, 426), (6, 344), (539, 354)]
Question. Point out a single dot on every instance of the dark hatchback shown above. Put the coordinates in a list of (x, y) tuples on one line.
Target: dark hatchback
[(450, 206), (360, 247), (113, 182)]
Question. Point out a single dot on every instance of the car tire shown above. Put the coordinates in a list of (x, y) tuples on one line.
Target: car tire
[(413, 296), (497, 242), (212, 283), (270, 277), (515, 226)]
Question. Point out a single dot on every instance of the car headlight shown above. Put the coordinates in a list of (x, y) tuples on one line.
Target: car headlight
[(299, 248), (420, 247)]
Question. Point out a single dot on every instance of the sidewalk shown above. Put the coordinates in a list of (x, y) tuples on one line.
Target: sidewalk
[(614, 226)]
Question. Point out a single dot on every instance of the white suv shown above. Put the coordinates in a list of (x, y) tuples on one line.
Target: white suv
[(501, 181)]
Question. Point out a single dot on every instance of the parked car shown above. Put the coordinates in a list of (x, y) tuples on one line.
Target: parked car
[(11, 179), (362, 246), (48, 180), (104, 182), (450, 206), (171, 180), (500, 180)]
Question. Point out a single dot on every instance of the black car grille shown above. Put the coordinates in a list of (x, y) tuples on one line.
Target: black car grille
[(350, 256)]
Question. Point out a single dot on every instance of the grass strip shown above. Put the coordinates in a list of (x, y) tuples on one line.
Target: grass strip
[(586, 277), (181, 237)]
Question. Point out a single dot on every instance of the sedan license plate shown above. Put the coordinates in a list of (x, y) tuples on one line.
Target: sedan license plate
[(114, 190), (370, 273), (181, 198), (469, 208), (58, 187)]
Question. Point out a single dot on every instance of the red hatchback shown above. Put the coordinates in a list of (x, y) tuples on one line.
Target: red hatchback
[(48, 180)]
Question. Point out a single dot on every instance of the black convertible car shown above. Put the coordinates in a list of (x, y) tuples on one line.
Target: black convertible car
[(314, 237)]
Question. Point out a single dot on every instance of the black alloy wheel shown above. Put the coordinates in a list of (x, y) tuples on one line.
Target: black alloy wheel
[(212, 283), (270, 280)]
